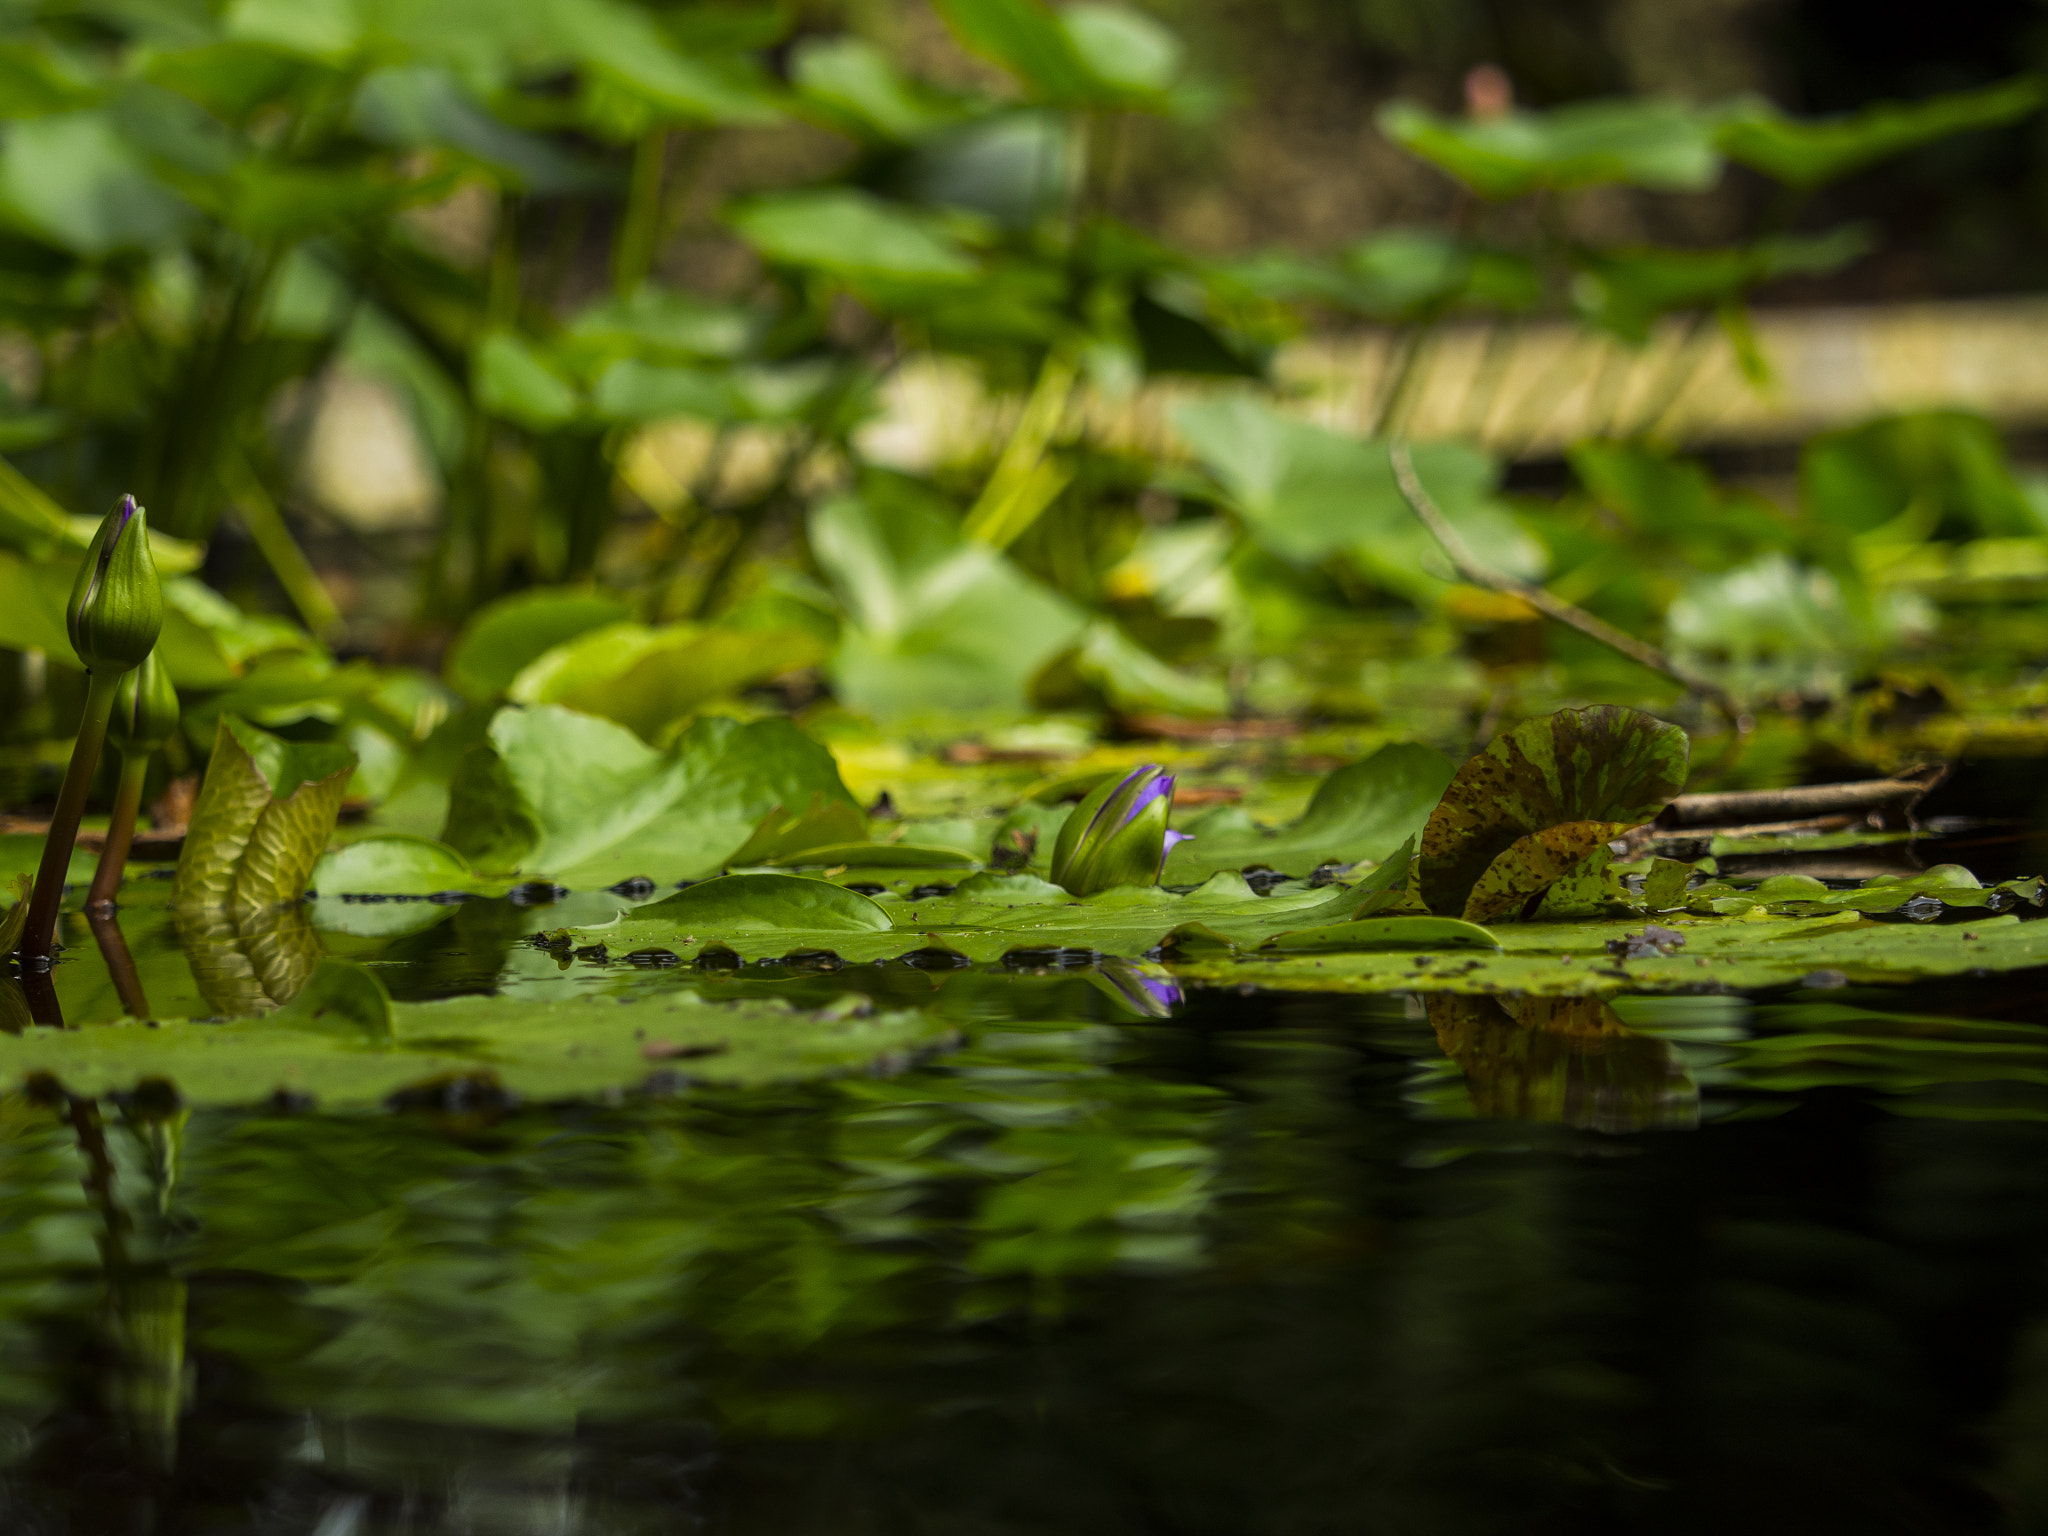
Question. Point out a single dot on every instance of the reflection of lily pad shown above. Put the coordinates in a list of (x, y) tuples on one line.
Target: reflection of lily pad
[(1565, 1060), (1578, 765)]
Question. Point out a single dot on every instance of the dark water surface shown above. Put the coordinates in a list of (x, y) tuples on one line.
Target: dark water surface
[(1273, 1264)]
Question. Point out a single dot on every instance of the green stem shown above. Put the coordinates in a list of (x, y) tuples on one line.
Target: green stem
[(640, 226), (41, 930), (106, 880), (273, 539)]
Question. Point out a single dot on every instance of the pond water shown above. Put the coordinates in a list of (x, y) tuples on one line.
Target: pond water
[(1239, 1263)]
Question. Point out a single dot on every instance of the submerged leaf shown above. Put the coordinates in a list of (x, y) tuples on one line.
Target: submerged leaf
[(1603, 764)]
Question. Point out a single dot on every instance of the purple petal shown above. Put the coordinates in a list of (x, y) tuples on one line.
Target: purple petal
[(1163, 785), (1173, 837)]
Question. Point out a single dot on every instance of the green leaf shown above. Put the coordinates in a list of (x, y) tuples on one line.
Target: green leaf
[(419, 105), (76, 181), (1662, 145), (653, 680), (624, 45), (857, 83), (583, 800), (513, 380), (1383, 933), (1025, 38), (1627, 290), (935, 624), (503, 637), (398, 864), (15, 922), (1126, 51), (1579, 765), (1361, 811), (736, 904), (785, 836), (263, 818), (850, 234), (1810, 153), (328, 1045), (326, 30), (1307, 493)]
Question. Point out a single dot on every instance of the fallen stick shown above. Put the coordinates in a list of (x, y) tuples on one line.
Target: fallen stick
[(1886, 798)]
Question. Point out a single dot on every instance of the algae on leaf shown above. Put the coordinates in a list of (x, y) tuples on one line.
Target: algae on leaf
[(263, 818)]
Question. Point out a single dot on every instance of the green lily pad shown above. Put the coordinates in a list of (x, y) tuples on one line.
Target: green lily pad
[(1579, 765), (343, 1042), (1375, 933), (399, 865), (1743, 954)]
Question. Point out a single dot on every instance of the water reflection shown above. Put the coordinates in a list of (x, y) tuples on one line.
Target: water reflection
[(1565, 1060), (248, 962)]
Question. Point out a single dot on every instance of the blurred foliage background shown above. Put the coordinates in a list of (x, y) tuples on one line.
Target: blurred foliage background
[(924, 365)]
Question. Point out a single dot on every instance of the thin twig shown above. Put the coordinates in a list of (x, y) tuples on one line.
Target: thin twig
[(1470, 568)]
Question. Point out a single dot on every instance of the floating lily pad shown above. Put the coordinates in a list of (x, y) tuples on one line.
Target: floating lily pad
[(344, 1043)]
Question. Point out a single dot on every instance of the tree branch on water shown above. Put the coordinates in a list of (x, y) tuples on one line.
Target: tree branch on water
[(1470, 568)]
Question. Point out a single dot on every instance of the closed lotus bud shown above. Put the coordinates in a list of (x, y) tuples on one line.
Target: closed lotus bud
[(1118, 835), (145, 708), (117, 604)]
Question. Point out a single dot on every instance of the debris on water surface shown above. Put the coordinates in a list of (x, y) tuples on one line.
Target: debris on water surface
[(1651, 942)]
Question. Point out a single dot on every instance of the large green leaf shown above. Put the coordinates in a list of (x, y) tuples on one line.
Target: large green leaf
[(1810, 153), (75, 180), (1626, 290), (263, 818), (1307, 493), (1026, 38), (935, 624), (582, 800), (653, 679), (344, 1043), (850, 234), (1663, 145), (1579, 765), (399, 865), (502, 638), (856, 83), (1363, 811)]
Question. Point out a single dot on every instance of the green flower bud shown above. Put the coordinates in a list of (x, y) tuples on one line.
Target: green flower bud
[(1118, 835), (117, 604), (145, 708)]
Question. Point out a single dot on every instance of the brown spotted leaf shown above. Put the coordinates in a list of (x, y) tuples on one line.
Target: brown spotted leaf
[(1603, 764), (1532, 864)]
